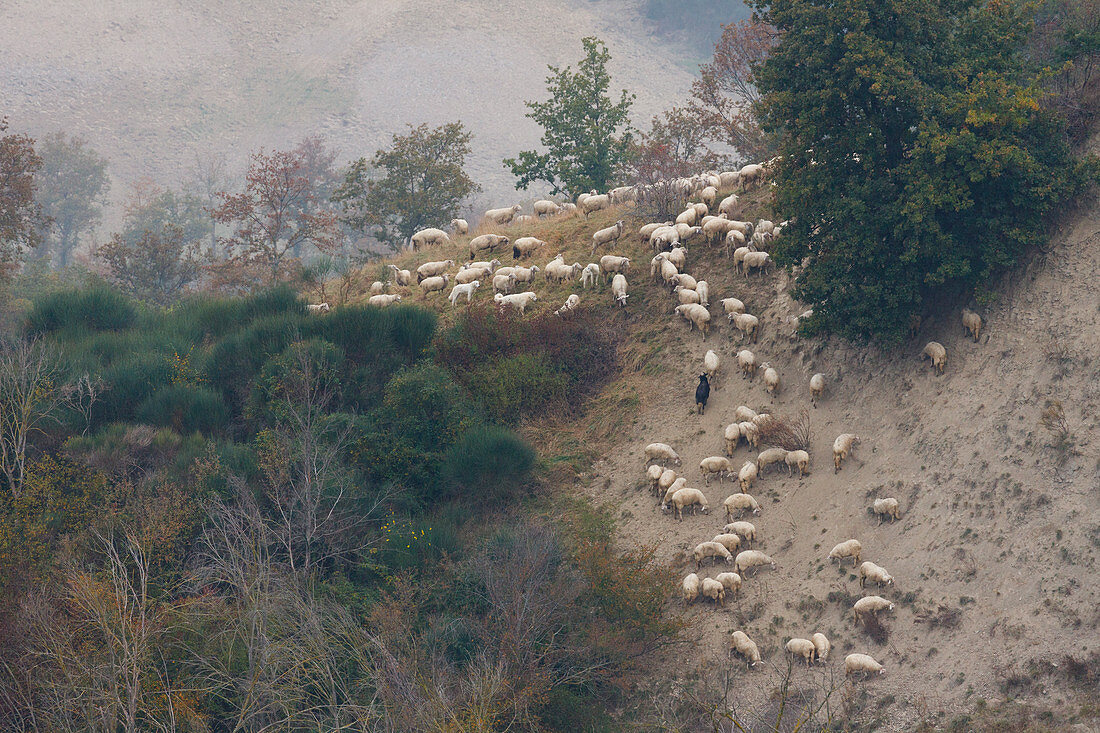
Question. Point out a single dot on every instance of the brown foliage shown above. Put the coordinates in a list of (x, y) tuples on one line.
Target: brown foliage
[(156, 267), (20, 216), (781, 432)]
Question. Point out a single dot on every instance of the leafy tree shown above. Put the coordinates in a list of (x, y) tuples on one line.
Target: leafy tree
[(916, 160), (417, 182), (674, 148), (20, 215), (586, 134), (72, 185)]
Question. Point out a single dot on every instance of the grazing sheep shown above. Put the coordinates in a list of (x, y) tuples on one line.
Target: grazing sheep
[(469, 274), (728, 540), (750, 433), (685, 296), (728, 204), (559, 272), (696, 315), (432, 269), (570, 305), (847, 548), (739, 503), (745, 530), (426, 237), (377, 287), (401, 277), (802, 648), (744, 413), (689, 589), (678, 257), (714, 590), (768, 457), (525, 247), (728, 179), (747, 361), (817, 388), (715, 227), (664, 483), (590, 276), (868, 571), (822, 647), (886, 508), (718, 465), (503, 216), (751, 174), (318, 308), (771, 378), (739, 255), (544, 207), (607, 235), (670, 276), (688, 216), (594, 203), (746, 475), (381, 301), (653, 474), (861, 664), (661, 451), (702, 393), (666, 500), (610, 264), (434, 284), (688, 497), (729, 581), (703, 289), (972, 323), (466, 289), (487, 242), (756, 261), (568, 209), (622, 194), (504, 283), (937, 355), (525, 274), (664, 238), (517, 301), (870, 606), (798, 458), (489, 267), (844, 444), (733, 437), (747, 559), (687, 281), (732, 307), (746, 323), (618, 289), (711, 364), (703, 550), (647, 231), (460, 226), (746, 647), (709, 195)]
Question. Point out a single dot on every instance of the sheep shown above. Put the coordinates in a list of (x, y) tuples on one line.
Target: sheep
[(711, 364), (663, 238), (568, 209), (669, 274), (728, 204), (886, 508), (594, 203), (460, 226), (666, 500), (558, 272), (503, 216), (688, 216), (432, 269), (730, 541), (401, 277), (739, 503), (703, 289), (610, 264), (664, 483), (504, 283), (732, 436), (847, 548), (972, 323), (755, 261), (795, 321), (718, 465), (381, 301), (525, 274), (747, 362), (678, 257), (655, 266), (714, 590), (739, 255), (817, 388), (802, 648), (861, 664), (688, 497), (647, 231), (469, 274), (750, 174), (728, 179), (689, 589), (685, 296), (318, 308), (868, 571), (702, 393), (544, 207), (427, 237), (525, 247), (746, 647), (433, 284), (709, 195), (487, 242), (489, 267), (517, 301), (937, 355), (743, 413), (715, 227), (696, 315), (822, 647), (461, 289), (686, 281), (701, 209), (745, 530), (570, 305), (798, 458), (377, 287), (729, 581), (747, 324), (590, 275), (661, 451), (653, 474), (750, 559), (770, 456), (764, 226), (844, 444), (771, 378), (870, 606), (746, 475), (607, 235), (582, 196), (618, 289), (622, 194), (703, 550)]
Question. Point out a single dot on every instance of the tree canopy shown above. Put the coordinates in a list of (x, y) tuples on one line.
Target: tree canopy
[(19, 212), (916, 161), (71, 187), (586, 134)]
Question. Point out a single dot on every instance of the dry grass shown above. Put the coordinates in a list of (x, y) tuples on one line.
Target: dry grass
[(788, 434)]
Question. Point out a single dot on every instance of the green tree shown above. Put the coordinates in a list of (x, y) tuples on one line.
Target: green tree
[(71, 187), (20, 215), (417, 182), (587, 135), (916, 160)]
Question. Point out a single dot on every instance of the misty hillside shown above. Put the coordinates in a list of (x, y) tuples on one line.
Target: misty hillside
[(152, 85)]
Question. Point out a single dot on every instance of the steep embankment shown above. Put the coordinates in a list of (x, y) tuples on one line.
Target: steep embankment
[(995, 554)]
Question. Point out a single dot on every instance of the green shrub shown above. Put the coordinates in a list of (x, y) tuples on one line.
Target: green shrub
[(185, 409), (93, 309), (488, 467), (129, 382), (306, 367), (235, 360), (515, 386)]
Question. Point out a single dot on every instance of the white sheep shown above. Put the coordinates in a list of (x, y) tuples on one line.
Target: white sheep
[(747, 559), (432, 269), (487, 242), (545, 207), (747, 324), (430, 236), (590, 276), (664, 483), (740, 503), (739, 255), (744, 413), (745, 530), (685, 296), (664, 237), (653, 475), (868, 571), (401, 277), (678, 257), (503, 216), (469, 274), (568, 209), (937, 355), (525, 274), (669, 274), (610, 264), (844, 444), (729, 581), (714, 590), (646, 231), (746, 475), (318, 308), (434, 284), (798, 458), (687, 281), (466, 289), (709, 195), (817, 388), (746, 360), (750, 433), (703, 289), (728, 204), (607, 235), (662, 452), (594, 203), (718, 465), (570, 305), (460, 226), (887, 507), (870, 606), (701, 209), (751, 174), (558, 272), (688, 497), (746, 647), (733, 437), (703, 550), (516, 301), (802, 648), (972, 324), (756, 261), (861, 664), (847, 548), (735, 240), (696, 315), (822, 647), (377, 287), (768, 457), (689, 589), (688, 216), (526, 246), (489, 267), (666, 500), (728, 540), (618, 289), (728, 179), (710, 366), (381, 301), (622, 194), (771, 378), (504, 283)]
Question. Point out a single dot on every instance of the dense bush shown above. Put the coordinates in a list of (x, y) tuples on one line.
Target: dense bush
[(488, 467), (185, 409), (93, 309)]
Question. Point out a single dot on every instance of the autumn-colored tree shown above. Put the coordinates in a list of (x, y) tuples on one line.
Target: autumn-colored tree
[(72, 185), (418, 181), (20, 213), (673, 149), (156, 267), (278, 212)]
